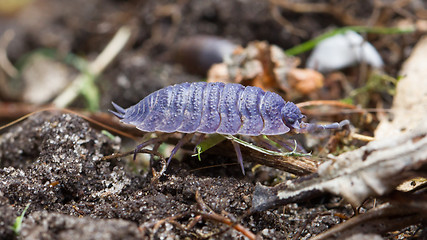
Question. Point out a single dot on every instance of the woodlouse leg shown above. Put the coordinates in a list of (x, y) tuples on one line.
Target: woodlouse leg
[(149, 142), (239, 155), (155, 148), (142, 145), (181, 142)]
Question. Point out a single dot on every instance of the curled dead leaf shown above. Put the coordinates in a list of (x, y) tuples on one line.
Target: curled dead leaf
[(268, 67), (305, 81)]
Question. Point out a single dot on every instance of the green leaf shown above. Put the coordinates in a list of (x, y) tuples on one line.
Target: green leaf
[(108, 134), (90, 92), (209, 142)]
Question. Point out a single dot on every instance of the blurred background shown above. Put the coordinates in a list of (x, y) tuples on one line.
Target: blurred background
[(47, 44)]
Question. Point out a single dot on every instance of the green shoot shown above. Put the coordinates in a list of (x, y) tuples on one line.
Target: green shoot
[(88, 89), (17, 226), (108, 134), (310, 44), (90, 92)]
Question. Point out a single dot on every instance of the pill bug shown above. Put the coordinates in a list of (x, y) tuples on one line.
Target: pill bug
[(229, 109)]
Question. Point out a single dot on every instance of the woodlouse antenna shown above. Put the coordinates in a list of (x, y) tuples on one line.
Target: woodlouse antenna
[(311, 127)]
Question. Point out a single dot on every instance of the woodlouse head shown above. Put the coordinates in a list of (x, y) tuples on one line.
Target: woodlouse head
[(292, 116)]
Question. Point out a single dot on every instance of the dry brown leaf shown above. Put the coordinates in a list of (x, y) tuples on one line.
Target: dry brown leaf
[(398, 153), (268, 67), (373, 170), (410, 103), (305, 81)]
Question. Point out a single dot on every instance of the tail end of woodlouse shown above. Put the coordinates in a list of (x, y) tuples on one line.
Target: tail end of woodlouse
[(120, 111), (116, 114)]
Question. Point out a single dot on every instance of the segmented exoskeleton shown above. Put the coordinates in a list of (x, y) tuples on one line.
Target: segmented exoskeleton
[(227, 109)]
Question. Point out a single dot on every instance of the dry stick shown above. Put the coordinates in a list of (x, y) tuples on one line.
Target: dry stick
[(353, 108), (178, 225), (361, 137), (72, 112), (382, 219), (95, 68), (325, 102), (193, 222), (287, 25), (328, 8), (156, 225), (157, 175), (190, 225), (348, 108), (208, 213), (298, 165), (15, 110), (5, 64)]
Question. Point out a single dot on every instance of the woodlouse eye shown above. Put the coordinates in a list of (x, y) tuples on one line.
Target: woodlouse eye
[(290, 120)]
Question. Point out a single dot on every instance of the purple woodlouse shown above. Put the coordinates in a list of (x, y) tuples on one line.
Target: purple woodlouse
[(206, 108)]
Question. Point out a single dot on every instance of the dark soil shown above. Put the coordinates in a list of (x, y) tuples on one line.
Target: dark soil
[(54, 161), (73, 192)]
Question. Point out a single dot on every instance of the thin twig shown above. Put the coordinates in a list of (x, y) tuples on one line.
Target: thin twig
[(335, 10), (51, 109), (95, 68), (173, 220), (275, 13), (5, 64), (156, 175), (193, 222), (362, 137), (156, 225), (118, 155), (208, 213), (325, 102)]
